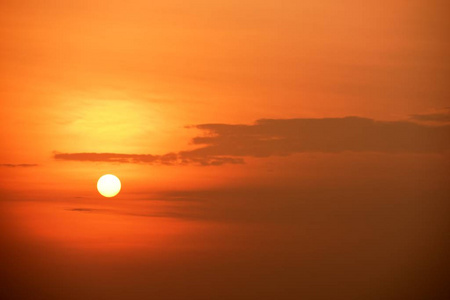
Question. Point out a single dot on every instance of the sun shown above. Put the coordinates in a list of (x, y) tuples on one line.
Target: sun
[(108, 185)]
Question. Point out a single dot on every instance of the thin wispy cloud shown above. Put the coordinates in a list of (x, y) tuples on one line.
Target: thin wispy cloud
[(18, 165), (166, 214), (167, 159), (442, 116)]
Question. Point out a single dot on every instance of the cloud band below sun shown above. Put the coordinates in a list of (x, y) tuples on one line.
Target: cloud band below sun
[(230, 143)]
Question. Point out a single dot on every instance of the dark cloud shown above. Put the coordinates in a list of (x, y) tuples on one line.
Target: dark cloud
[(442, 116), (167, 159), (226, 143), (18, 165), (269, 137), (81, 209)]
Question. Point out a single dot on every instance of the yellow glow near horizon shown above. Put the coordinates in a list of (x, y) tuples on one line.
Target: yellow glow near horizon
[(108, 185)]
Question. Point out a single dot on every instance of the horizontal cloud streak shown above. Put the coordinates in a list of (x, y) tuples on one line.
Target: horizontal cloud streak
[(167, 159), (18, 165), (443, 116), (228, 144)]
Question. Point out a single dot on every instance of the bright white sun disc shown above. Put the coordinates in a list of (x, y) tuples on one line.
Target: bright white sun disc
[(108, 185)]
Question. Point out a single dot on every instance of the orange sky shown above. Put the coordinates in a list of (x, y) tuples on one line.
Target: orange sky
[(107, 78), (216, 114)]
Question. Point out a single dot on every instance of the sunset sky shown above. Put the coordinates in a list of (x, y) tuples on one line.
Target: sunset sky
[(266, 149)]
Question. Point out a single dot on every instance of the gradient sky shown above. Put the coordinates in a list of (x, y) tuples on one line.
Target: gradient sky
[(267, 149)]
